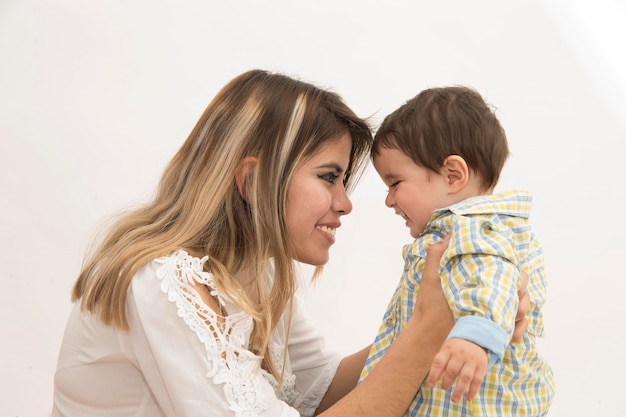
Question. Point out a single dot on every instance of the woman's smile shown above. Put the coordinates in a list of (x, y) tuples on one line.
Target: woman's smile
[(317, 199)]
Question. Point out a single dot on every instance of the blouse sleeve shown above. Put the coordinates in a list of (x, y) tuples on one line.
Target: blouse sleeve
[(312, 362), (193, 368)]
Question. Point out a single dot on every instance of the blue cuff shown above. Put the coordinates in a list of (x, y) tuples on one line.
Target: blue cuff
[(484, 333)]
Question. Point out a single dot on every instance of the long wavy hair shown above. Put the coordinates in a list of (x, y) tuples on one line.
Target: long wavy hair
[(198, 207)]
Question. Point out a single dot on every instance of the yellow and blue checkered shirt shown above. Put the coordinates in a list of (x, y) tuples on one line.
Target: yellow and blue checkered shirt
[(490, 240)]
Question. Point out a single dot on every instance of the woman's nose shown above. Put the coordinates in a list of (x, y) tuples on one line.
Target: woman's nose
[(342, 203)]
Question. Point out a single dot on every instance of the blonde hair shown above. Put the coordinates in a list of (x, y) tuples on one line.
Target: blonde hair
[(278, 120)]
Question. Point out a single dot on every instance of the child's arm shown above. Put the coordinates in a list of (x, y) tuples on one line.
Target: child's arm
[(481, 280), (467, 361), (462, 362)]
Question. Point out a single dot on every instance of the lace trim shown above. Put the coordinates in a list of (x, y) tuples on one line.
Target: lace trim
[(230, 363), (287, 391)]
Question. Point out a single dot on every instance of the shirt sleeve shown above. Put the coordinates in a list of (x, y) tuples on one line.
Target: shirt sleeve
[(313, 364), (192, 368), (482, 281)]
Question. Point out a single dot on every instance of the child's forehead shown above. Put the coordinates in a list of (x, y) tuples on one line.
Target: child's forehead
[(390, 159), (389, 152)]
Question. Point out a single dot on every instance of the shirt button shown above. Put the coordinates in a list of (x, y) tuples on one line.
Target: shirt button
[(389, 321)]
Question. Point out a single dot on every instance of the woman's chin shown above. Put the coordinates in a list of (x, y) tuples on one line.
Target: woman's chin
[(317, 260)]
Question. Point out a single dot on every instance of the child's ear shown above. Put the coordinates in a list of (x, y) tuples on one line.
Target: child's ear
[(243, 170), (455, 172)]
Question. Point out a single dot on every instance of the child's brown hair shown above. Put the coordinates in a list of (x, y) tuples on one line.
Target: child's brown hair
[(445, 121)]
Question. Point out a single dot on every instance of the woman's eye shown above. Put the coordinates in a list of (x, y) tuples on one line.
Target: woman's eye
[(330, 177)]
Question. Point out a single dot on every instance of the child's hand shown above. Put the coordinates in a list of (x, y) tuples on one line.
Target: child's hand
[(461, 361)]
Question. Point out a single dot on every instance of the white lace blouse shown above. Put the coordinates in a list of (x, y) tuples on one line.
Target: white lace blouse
[(171, 363)]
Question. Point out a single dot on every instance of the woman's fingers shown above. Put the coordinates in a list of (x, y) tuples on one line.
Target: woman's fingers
[(521, 321), (430, 299)]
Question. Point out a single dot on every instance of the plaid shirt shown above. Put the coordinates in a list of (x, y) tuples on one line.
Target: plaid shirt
[(490, 239)]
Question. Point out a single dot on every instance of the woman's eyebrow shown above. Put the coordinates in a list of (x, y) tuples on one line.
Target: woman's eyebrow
[(332, 165)]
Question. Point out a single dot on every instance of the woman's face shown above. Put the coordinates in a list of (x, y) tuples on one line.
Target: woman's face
[(316, 200)]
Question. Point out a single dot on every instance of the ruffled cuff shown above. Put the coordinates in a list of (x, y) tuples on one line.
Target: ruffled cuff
[(310, 401)]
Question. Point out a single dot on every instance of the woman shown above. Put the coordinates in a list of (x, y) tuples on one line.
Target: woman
[(187, 307)]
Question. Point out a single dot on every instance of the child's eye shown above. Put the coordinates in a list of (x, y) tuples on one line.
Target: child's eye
[(392, 186)]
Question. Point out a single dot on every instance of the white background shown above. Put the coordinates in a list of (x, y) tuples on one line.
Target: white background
[(96, 96)]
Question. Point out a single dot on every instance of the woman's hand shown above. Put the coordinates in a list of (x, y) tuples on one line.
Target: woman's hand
[(521, 321), (391, 386), (431, 303)]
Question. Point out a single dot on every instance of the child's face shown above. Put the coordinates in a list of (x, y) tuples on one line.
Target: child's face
[(414, 192)]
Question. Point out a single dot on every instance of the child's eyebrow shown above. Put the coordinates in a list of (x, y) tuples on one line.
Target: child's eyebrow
[(388, 177)]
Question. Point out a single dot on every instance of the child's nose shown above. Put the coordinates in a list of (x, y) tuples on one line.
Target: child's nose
[(389, 200)]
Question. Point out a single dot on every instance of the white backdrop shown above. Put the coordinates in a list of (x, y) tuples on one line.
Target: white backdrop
[(95, 97)]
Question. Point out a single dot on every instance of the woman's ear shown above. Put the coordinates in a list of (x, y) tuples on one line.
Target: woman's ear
[(455, 172), (243, 170)]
